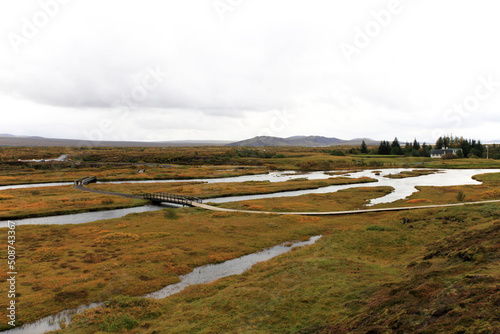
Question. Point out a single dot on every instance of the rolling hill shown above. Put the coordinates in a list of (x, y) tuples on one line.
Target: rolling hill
[(307, 141), (310, 141), (10, 140)]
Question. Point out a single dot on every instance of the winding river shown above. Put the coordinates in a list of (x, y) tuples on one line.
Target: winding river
[(403, 188)]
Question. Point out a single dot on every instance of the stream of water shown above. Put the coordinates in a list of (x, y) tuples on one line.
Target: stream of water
[(403, 188), (200, 275)]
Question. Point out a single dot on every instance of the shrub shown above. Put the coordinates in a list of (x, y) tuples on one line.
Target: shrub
[(375, 163), (170, 214), (490, 210), (449, 156), (107, 201), (419, 200), (115, 323), (461, 196), (65, 295), (491, 193), (337, 153), (127, 302), (47, 253), (379, 228), (298, 179), (116, 238), (4, 197), (93, 258)]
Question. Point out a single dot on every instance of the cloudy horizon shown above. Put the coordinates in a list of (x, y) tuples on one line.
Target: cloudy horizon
[(235, 69)]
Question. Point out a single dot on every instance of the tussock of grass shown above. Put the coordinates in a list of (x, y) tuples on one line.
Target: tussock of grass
[(379, 228), (170, 214)]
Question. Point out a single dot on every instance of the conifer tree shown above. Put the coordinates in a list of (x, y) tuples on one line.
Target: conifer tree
[(364, 148), (396, 148), (416, 145)]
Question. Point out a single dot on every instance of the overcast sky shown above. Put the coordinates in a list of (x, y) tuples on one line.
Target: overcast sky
[(234, 69)]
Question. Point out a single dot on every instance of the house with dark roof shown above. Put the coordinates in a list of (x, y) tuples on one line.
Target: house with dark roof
[(439, 153)]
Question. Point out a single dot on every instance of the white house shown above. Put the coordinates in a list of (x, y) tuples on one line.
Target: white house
[(443, 151)]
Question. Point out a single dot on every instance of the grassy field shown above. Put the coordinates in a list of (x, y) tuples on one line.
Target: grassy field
[(138, 253), (369, 273), (211, 190), (16, 175), (424, 271), (347, 199), (52, 201), (64, 266), (105, 159)]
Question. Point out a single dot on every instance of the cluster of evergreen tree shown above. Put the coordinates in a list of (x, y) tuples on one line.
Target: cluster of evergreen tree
[(470, 147), (414, 149), (494, 151)]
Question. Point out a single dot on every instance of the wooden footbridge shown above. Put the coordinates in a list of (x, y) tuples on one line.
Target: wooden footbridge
[(172, 198), (85, 180)]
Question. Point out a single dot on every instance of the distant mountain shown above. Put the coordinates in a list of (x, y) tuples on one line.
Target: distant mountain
[(309, 141), (11, 140)]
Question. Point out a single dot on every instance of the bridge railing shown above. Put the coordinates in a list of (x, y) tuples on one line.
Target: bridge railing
[(171, 198)]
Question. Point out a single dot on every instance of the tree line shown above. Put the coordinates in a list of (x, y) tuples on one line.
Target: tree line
[(470, 148), (411, 149)]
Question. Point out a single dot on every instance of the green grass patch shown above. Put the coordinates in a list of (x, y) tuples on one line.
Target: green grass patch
[(379, 228)]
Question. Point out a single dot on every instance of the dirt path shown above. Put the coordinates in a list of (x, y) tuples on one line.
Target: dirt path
[(350, 212)]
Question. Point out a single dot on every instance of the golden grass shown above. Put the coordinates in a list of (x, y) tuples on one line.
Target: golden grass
[(364, 266), (347, 199), (133, 255), (343, 277), (49, 201), (413, 173), (12, 176), (210, 190)]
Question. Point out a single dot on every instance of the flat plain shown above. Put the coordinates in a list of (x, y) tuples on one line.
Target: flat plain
[(424, 271)]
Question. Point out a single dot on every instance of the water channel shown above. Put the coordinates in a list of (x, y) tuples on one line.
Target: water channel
[(200, 275), (403, 188)]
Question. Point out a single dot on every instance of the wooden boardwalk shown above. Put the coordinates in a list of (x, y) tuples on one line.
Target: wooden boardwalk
[(350, 212), (81, 183)]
